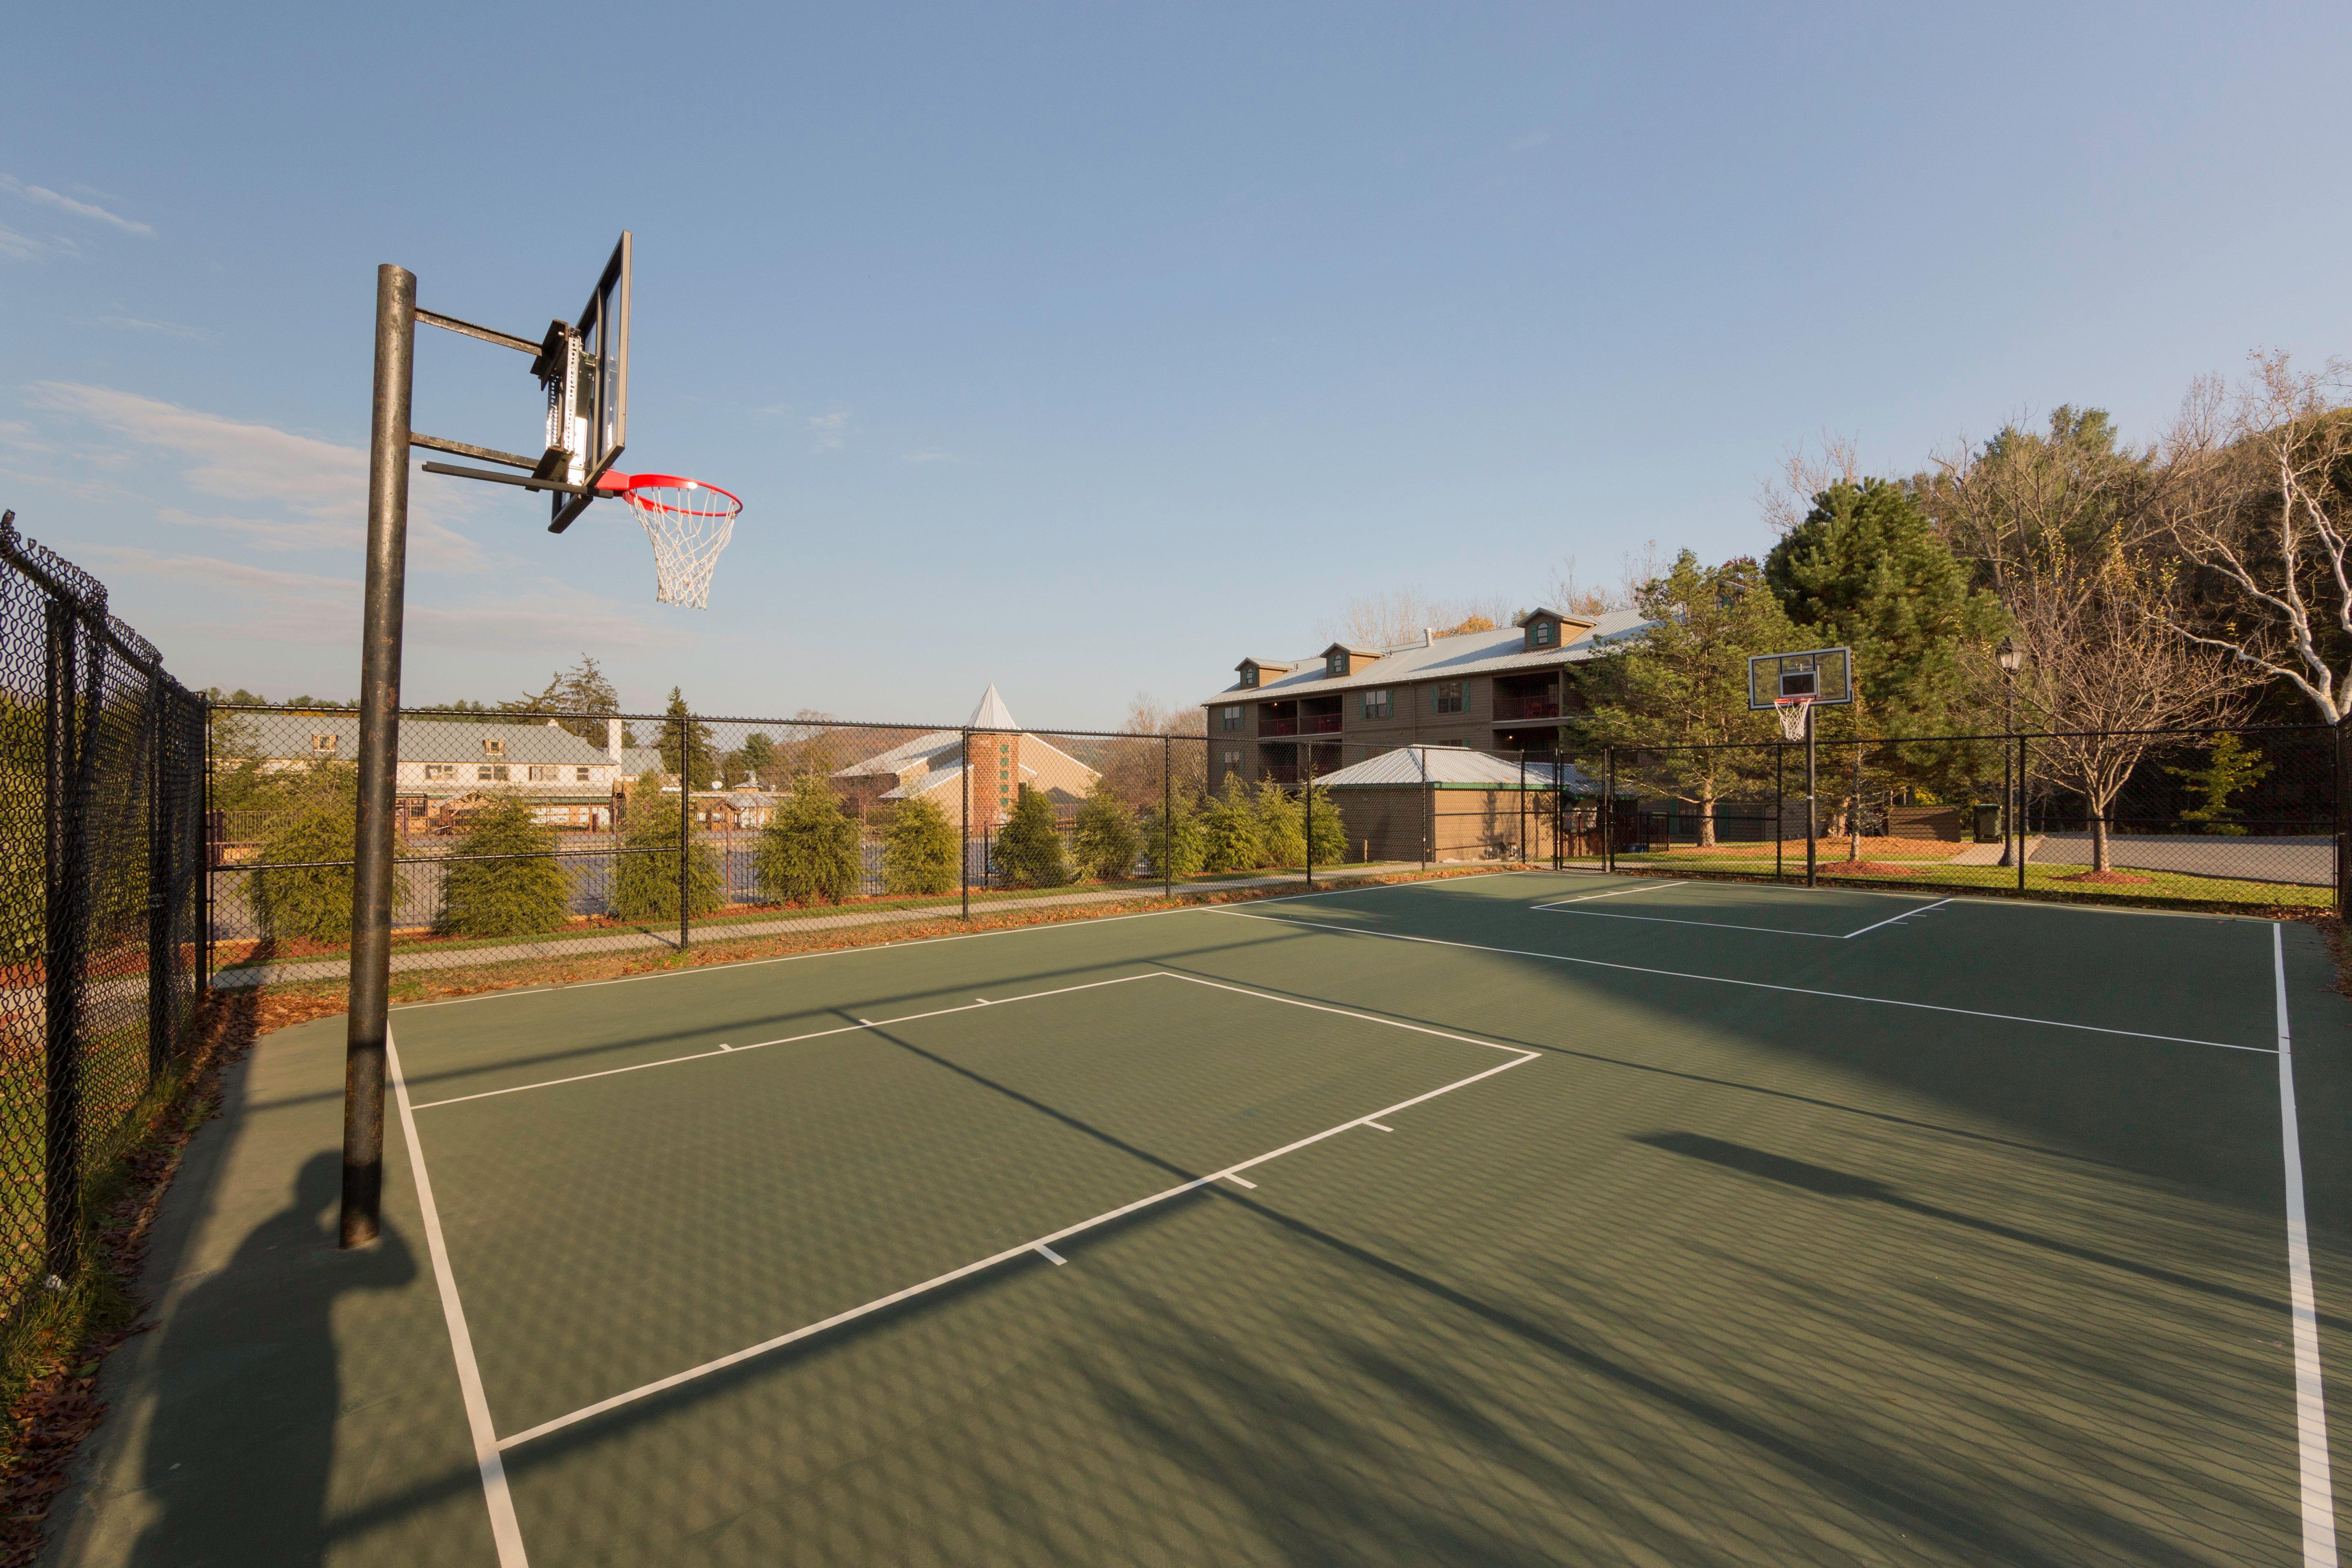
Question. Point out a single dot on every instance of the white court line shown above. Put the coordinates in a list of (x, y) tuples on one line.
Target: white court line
[(1752, 984), (785, 1040), (1241, 1182), (2310, 1402), (1645, 886), (1050, 1256), (740, 964), (506, 1531), (1906, 915), (1519, 1058), (1378, 1128), (1711, 925)]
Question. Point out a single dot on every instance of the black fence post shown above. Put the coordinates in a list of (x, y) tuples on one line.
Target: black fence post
[(2343, 737), (684, 830), (2021, 811), (1780, 810), (160, 1026), (205, 857), (1306, 800), (964, 856), (1559, 819), (1609, 808), (1167, 817), (61, 946), (1426, 804), (1812, 811)]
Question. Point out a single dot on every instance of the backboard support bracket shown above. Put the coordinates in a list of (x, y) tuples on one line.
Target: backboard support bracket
[(527, 481), (460, 449), (468, 329)]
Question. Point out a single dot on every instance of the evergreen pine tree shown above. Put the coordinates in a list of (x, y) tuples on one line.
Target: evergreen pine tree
[(701, 760), (1106, 836), (1866, 571), (1029, 845), (1229, 829), (1327, 833), (808, 853), (919, 848), (645, 886), (1171, 839), (505, 898), (1281, 826)]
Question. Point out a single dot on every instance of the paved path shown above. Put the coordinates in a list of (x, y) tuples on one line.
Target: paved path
[(622, 942)]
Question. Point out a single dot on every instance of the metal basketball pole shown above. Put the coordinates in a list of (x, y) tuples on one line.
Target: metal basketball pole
[(1812, 818), (387, 562)]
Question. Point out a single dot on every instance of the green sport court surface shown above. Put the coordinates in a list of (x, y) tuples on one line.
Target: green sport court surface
[(1521, 1219)]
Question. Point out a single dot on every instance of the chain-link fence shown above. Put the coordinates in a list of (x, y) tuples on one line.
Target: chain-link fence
[(100, 877), (2246, 815)]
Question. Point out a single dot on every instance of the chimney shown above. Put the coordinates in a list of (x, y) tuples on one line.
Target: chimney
[(613, 739), (1428, 636)]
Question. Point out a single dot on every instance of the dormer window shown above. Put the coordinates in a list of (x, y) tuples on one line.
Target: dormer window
[(494, 748), (1249, 675), (1336, 665), (1543, 631)]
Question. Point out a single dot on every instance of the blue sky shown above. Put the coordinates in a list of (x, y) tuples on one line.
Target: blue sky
[(1086, 350)]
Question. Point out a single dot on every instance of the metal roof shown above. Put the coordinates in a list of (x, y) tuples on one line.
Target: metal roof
[(428, 739), (1498, 652), (1452, 767)]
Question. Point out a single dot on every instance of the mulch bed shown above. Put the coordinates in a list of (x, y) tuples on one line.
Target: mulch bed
[(2104, 877)]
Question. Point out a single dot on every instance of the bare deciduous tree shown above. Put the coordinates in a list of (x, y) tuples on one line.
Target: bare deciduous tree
[(2052, 519), (1786, 497), (2259, 499), (1396, 618), (1566, 590)]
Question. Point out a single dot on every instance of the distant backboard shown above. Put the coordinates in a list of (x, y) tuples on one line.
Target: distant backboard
[(584, 367), (1823, 674)]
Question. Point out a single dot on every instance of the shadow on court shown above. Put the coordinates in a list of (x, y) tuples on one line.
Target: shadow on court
[(248, 1429)]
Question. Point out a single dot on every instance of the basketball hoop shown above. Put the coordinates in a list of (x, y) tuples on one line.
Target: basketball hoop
[(1791, 711), (689, 522)]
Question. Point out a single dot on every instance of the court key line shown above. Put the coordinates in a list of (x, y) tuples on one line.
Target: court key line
[(1752, 984), (1558, 908), (785, 1040), (2310, 1401), (506, 1531), (1043, 1245)]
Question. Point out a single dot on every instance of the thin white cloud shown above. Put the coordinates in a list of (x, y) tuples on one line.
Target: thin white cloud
[(278, 606), (322, 485), (42, 196), (166, 329), (15, 246), (828, 431), (928, 457)]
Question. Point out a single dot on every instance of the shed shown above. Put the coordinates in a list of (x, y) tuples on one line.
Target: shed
[(1461, 805)]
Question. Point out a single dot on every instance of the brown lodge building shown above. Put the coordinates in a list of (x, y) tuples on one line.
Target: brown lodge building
[(1504, 691)]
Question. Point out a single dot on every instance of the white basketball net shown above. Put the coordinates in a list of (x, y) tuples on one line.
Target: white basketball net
[(1792, 710), (690, 525)]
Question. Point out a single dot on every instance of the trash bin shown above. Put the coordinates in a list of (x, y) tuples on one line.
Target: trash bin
[(1988, 821)]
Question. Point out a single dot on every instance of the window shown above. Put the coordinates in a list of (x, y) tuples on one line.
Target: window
[(1448, 696), (486, 774), (494, 748), (539, 773), (1233, 761), (1543, 630), (1230, 718), (1376, 705), (1249, 675), (580, 775), (325, 746), (1336, 665), (440, 770)]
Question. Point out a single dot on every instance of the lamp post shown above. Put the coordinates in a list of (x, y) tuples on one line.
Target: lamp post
[(2011, 659)]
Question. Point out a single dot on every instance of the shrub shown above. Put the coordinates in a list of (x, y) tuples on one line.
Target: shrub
[(1029, 846), (1229, 831), (1172, 840), (1106, 837), (1281, 826), (808, 851), (644, 888), (316, 823), (918, 848), (505, 898), (1326, 831)]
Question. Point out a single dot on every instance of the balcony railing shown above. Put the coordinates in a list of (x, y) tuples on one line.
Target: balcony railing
[(1319, 724), (1268, 725), (1507, 709)]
